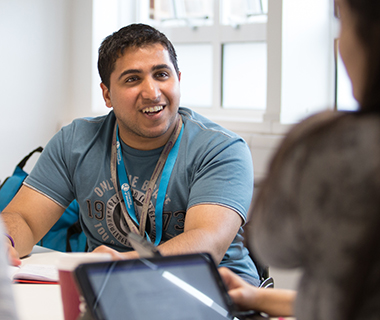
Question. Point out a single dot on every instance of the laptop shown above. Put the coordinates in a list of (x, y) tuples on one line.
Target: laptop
[(155, 287)]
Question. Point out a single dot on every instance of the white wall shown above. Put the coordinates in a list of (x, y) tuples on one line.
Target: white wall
[(81, 60), (41, 68)]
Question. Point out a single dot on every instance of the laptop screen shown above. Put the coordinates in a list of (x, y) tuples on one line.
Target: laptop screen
[(167, 288)]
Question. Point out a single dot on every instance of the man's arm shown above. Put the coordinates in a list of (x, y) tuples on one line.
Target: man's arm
[(28, 217), (208, 228)]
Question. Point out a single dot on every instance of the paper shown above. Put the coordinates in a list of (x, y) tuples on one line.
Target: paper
[(36, 272), (37, 268)]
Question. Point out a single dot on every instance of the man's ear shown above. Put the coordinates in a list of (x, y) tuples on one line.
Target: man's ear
[(179, 76), (106, 95)]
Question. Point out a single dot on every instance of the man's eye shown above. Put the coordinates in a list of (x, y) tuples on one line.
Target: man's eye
[(131, 79), (162, 75)]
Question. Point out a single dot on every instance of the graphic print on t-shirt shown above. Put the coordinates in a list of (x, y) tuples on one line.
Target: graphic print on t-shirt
[(116, 223)]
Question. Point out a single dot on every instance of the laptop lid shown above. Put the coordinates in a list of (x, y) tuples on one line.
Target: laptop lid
[(159, 287)]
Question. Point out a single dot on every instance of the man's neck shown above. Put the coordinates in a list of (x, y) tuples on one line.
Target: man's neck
[(146, 143)]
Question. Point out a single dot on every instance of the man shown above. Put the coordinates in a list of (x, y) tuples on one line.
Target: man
[(147, 167)]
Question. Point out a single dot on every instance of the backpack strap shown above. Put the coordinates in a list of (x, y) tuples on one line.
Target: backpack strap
[(12, 184), (23, 162)]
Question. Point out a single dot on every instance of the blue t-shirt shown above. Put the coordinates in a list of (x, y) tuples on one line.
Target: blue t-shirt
[(214, 166)]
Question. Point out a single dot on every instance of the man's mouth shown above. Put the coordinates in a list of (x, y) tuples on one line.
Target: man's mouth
[(154, 109)]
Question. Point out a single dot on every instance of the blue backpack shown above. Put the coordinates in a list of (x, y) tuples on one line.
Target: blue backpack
[(66, 235)]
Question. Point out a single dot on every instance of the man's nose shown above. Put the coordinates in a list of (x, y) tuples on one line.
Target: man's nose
[(150, 90)]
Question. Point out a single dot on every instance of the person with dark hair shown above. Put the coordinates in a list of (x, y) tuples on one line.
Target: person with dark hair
[(318, 208), (149, 167)]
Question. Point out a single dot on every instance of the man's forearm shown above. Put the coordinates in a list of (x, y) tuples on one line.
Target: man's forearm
[(208, 228), (194, 241)]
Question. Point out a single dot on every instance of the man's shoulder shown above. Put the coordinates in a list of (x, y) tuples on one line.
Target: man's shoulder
[(89, 126), (205, 138), (88, 122), (196, 122)]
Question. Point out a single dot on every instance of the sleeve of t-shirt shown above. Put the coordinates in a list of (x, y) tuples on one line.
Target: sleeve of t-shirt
[(51, 175), (224, 177)]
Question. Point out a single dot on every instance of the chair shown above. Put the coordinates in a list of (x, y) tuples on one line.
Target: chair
[(265, 280)]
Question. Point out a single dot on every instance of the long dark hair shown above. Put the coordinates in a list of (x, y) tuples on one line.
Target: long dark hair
[(367, 13)]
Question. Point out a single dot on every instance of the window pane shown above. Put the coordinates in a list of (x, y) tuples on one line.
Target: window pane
[(235, 12), (245, 75), (161, 10), (195, 63), (181, 12), (307, 59)]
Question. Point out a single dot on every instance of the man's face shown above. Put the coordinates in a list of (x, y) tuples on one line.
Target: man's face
[(144, 94)]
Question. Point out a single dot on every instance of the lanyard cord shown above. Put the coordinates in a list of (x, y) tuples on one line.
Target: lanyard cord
[(164, 164)]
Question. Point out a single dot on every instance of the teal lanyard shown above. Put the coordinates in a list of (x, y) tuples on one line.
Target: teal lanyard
[(165, 164)]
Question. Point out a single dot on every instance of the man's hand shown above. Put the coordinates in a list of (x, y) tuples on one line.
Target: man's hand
[(13, 256), (115, 254)]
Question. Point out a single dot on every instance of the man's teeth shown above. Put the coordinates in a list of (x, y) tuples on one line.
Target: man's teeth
[(153, 109)]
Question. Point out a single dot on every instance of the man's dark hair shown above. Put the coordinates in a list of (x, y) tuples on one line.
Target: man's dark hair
[(134, 35), (367, 13)]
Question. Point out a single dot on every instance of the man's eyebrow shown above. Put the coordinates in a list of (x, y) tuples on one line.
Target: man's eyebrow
[(129, 71), (161, 66)]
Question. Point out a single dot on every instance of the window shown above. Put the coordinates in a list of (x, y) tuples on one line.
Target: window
[(251, 65), (179, 13), (194, 28), (211, 38), (237, 12)]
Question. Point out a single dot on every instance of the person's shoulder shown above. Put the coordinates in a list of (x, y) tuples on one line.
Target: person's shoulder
[(89, 125), (315, 124), (92, 121), (329, 134), (329, 126), (83, 131), (332, 127)]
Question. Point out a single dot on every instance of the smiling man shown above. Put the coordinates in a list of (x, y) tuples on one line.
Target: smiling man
[(143, 91), (148, 167)]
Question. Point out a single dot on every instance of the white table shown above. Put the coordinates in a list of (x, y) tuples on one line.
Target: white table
[(38, 301)]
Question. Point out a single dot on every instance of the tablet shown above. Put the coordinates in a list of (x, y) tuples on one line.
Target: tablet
[(160, 288)]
